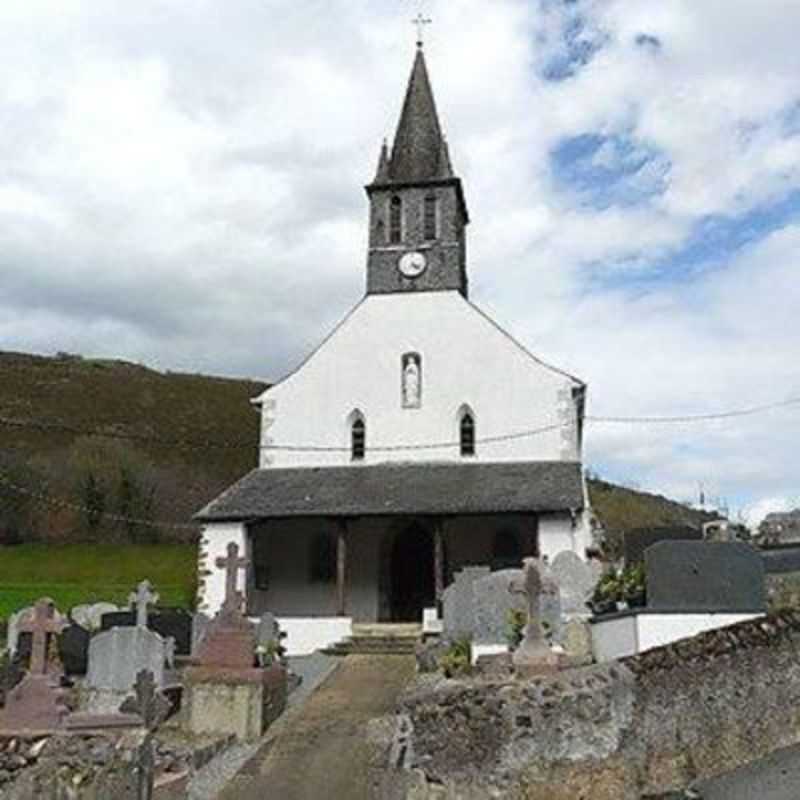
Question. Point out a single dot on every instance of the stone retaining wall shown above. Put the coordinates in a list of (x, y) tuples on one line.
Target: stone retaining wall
[(646, 724)]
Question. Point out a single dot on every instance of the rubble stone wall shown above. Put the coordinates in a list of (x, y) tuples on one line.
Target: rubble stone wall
[(646, 724)]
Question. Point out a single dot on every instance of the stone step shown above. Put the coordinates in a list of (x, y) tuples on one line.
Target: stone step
[(382, 630), (374, 645)]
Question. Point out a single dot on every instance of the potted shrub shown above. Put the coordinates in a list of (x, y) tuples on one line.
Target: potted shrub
[(634, 586), (606, 594)]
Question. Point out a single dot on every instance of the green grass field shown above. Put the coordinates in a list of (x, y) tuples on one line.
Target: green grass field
[(86, 573)]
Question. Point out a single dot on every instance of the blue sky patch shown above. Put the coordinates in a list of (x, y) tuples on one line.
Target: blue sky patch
[(577, 45), (714, 240), (609, 170)]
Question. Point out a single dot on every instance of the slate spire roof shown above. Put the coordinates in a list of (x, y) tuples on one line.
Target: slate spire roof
[(419, 152)]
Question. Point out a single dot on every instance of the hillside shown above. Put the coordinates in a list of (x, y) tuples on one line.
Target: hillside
[(159, 479)]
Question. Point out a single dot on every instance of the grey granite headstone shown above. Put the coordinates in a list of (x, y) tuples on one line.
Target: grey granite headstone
[(576, 580), (493, 603), (115, 658), (550, 602), (458, 603), (705, 577), (268, 631), (635, 542), (200, 623)]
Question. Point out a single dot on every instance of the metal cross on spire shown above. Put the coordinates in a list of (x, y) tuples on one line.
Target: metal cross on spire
[(420, 21)]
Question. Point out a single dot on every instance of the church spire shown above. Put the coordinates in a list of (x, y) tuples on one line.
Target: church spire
[(418, 141)]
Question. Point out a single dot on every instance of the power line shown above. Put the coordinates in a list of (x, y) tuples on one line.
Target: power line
[(741, 412), (49, 426)]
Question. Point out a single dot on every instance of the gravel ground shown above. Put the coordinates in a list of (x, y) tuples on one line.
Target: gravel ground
[(211, 779)]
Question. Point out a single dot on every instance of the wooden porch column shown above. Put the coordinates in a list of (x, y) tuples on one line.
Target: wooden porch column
[(341, 568), (438, 559)]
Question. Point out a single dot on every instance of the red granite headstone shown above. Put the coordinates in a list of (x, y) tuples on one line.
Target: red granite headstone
[(37, 703), (230, 641)]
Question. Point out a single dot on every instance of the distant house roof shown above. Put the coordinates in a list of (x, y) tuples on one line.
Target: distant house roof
[(387, 489)]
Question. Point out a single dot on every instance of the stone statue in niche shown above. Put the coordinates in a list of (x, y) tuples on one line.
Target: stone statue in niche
[(412, 380)]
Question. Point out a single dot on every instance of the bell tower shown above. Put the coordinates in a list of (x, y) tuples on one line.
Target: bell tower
[(418, 214)]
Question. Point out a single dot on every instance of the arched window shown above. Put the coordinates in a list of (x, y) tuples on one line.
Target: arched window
[(429, 217), (506, 551), (358, 439), (322, 558), (395, 220), (467, 433)]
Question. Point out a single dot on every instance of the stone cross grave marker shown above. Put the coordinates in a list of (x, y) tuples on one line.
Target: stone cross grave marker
[(44, 621), (533, 652), (147, 702), (36, 703), (232, 563), (143, 597)]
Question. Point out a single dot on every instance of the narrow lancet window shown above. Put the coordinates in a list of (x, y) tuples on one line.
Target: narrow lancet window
[(396, 220), (467, 432), (430, 218), (358, 440)]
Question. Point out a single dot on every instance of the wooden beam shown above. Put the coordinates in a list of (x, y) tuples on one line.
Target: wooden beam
[(438, 559), (341, 568)]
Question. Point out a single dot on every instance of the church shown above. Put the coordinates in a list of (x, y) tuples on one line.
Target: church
[(417, 439)]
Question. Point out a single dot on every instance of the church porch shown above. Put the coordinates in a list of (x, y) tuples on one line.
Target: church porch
[(320, 575)]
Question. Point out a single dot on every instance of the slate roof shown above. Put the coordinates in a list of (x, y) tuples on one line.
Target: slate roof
[(388, 489), (419, 152)]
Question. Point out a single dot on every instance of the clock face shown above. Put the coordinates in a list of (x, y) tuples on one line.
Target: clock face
[(412, 265)]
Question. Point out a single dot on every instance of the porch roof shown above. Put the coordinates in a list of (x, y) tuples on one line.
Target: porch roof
[(397, 488)]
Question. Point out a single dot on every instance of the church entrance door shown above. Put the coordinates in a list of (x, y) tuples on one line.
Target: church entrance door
[(413, 584)]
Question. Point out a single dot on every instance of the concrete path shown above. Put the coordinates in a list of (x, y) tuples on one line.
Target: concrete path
[(320, 749)]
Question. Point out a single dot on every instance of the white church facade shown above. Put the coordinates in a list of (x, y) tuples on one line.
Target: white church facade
[(417, 439)]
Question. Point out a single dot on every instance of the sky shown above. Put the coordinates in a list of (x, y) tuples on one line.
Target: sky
[(181, 185)]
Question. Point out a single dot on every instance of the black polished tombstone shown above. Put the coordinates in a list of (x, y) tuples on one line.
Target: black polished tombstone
[(174, 622), (708, 577), (73, 649)]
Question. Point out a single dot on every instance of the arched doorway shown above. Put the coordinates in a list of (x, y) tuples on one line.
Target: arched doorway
[(412, 578)]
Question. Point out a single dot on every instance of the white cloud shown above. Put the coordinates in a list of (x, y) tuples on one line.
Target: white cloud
[(181, 184)]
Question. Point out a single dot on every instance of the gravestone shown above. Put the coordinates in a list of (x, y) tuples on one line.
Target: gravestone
[(533, 656), (37, 702), (147, 701), (635, 542), (576, 639), (225, 692), (73, 649), (458, 603), (116, 657), (576, 580), (12, 632), (493, 604), (200, 623), (550, 602), (91, 616), (171, 623), (268, 631), (687, 576)]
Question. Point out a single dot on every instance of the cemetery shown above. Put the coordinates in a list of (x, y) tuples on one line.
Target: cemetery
[(126, 700), (130, 703)]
